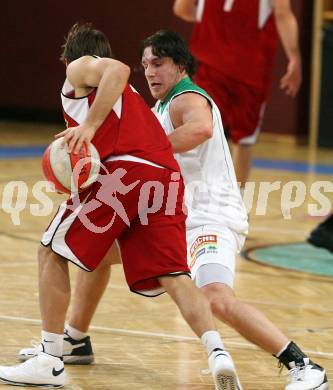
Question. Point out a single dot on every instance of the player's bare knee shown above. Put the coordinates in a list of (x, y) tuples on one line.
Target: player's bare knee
[(221, 299)]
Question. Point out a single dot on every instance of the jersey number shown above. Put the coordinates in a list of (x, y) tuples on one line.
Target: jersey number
[(228, 4), (265, 10)]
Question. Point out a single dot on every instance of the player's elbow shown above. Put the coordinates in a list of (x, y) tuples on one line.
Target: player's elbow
[(123, 71), (116, 69), (282, 12), (206, 132), (183, 12), (178, 9)]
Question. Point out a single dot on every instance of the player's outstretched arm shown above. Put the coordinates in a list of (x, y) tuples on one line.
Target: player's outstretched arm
[(186, 9), (287, 27), (191, 115), (111, 77)]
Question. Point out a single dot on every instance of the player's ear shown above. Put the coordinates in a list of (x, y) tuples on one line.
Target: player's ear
[(182, 69)]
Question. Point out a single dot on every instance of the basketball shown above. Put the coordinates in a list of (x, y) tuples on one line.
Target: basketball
[(70, 173)]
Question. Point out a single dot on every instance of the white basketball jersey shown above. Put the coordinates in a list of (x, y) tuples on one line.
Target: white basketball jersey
[(212, 195)]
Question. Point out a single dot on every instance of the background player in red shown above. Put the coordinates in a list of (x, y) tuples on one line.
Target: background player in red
[(235, 43), (104, 109)]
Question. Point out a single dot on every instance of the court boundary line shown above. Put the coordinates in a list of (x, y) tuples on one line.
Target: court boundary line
[(168, 336)]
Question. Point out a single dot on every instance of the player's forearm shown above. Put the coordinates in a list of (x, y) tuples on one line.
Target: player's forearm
[(189, 136), (288, 31), (186, 9), (110, 88)]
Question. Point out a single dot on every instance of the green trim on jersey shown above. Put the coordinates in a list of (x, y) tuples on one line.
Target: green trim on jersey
[(184, 85)]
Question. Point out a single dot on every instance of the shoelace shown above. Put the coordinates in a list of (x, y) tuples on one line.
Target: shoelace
[(280, 367), (298, 373), (25, 364)]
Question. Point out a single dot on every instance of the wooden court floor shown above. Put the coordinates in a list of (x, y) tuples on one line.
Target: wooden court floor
[(143, 343)]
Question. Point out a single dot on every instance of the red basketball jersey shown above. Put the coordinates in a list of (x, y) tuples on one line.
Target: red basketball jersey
[(237, 38), (130, 128)]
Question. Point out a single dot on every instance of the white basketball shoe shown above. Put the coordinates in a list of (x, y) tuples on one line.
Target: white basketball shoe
[(41, 371), (309, 376), (74, 351), (223, 370)]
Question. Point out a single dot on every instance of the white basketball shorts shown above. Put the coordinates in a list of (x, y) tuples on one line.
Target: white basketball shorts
[(213, 244)]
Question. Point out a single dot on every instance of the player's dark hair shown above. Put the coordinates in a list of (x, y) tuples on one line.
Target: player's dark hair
[(169, 44), (83, 39)]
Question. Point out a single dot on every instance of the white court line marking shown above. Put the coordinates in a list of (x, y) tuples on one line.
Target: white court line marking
[(230, 344)]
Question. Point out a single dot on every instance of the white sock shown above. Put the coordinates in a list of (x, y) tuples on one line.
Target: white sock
[(52, 343), (282, 350), (211, 340), (74, 333)]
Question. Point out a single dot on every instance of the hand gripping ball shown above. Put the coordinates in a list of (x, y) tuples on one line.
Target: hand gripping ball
[(70, 173)]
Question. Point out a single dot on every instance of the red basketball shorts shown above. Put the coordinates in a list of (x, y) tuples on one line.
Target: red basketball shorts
[(242, 106), (137, 204)]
